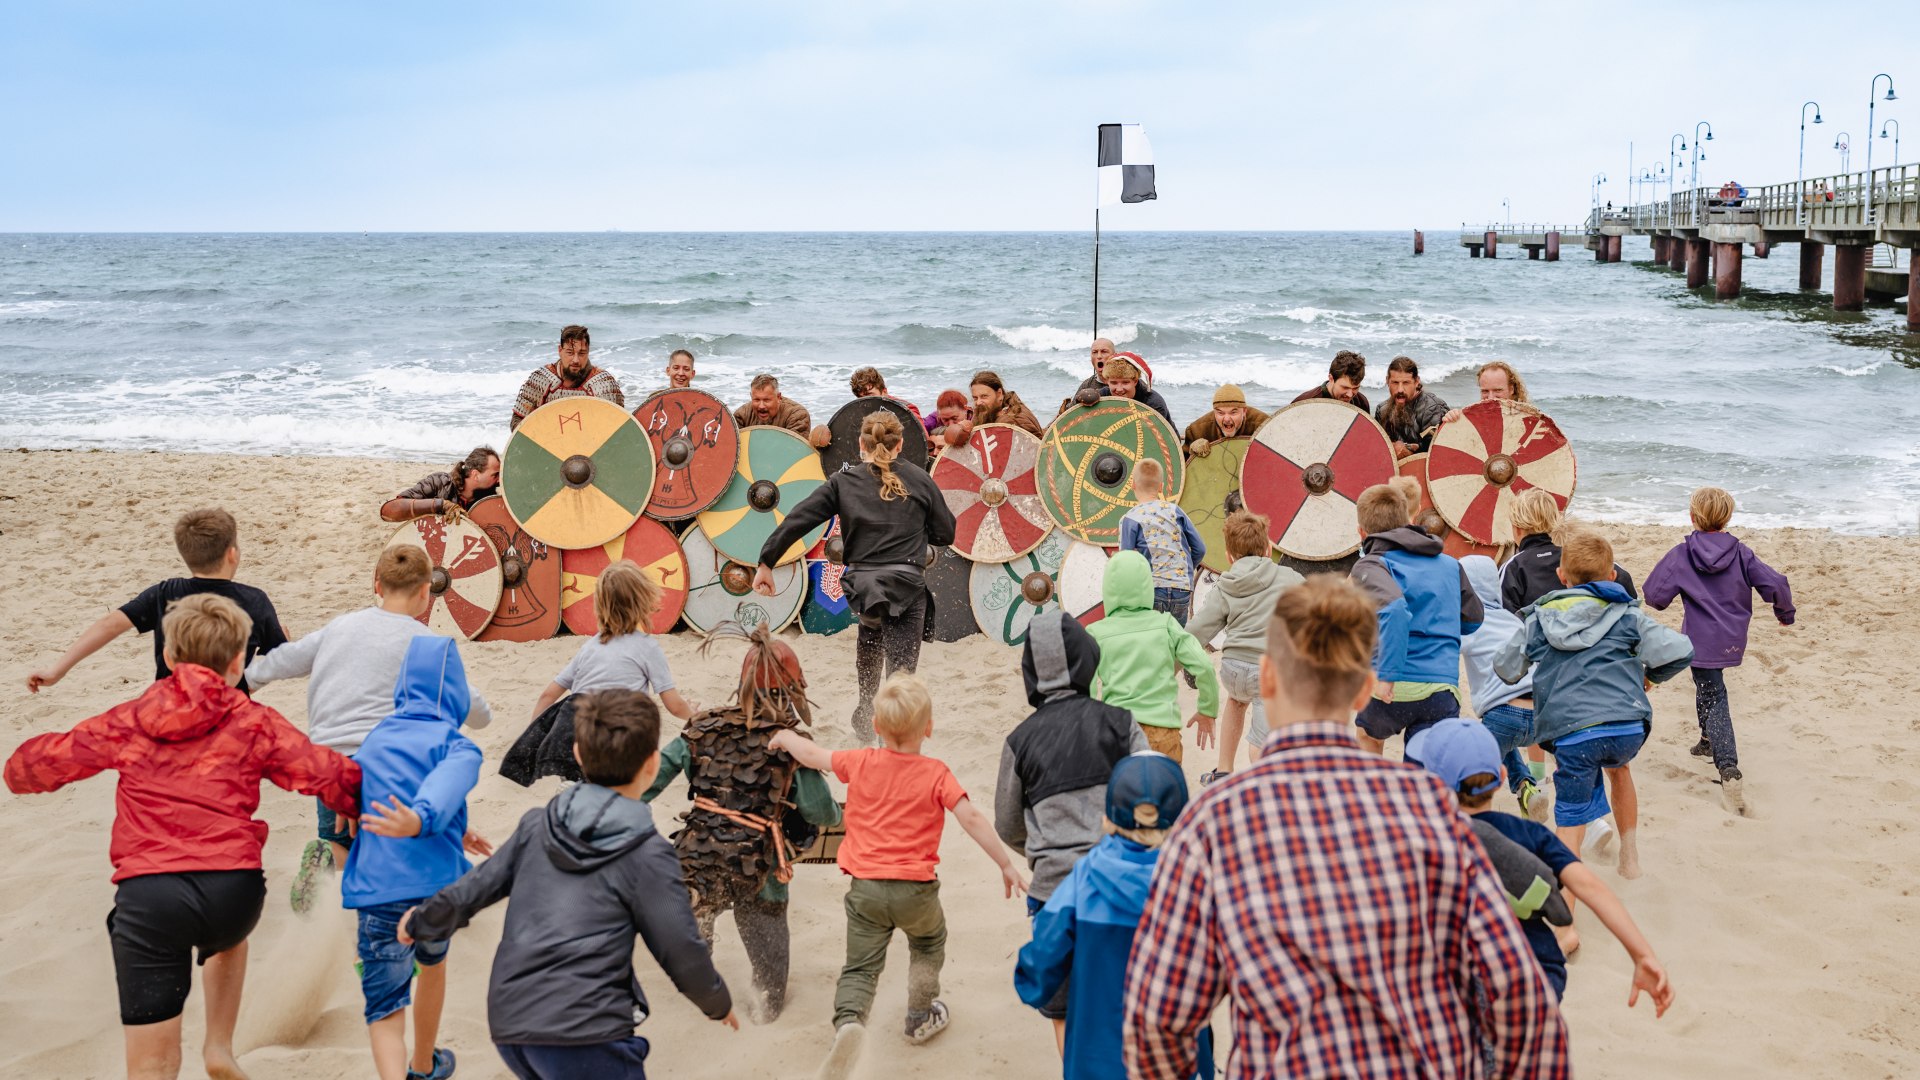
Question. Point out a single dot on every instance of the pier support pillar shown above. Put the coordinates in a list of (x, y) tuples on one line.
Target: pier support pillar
[(1762, 249), (1553, 247), (1493, 243), (1726, 271), (1812, 254), (1677, 252), (1697, 262), (1419, 242), (1533, 251), (1473, 250), (1613, 248), (1913, 290), (1659, 248), (1849, 277)]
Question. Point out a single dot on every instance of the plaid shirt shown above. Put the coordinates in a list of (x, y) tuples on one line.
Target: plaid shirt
[(1339, 899)]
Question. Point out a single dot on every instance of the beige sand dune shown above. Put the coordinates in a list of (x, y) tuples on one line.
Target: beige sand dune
[(1789, 934)]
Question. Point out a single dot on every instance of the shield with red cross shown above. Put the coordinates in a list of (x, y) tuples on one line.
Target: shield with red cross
[(1492, 453), (1305, 471)]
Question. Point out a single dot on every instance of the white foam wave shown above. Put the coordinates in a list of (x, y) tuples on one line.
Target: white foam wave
[(1857, 372), (425, 380), (1053, 339), (35, 307), (277, 432)]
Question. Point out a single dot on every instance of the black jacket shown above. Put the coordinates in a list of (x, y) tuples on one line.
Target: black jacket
[(889, 533), (587, 872), (1529, 575)]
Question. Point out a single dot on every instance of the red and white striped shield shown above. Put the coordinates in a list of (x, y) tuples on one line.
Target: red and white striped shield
[(1494, 451)]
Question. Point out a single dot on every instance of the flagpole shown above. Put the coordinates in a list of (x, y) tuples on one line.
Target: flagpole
[(1096, 271)]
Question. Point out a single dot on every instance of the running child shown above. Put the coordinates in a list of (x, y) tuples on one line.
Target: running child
[(1162, 533), (1528, 574), (191, 751), (1424, 607), (1505, 708), (897, 801), (1142, 652), (416, 770), (1087, 925), (1715, 576), (1596, 653), (588, 872), (1240, 605), (208, 543), (354, 662), (1466, 758)]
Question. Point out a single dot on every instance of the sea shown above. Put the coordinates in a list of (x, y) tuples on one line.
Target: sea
[(413, 346)]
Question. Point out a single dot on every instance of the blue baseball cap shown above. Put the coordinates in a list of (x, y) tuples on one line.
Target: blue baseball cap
[(1146, 780), (1455, 749)]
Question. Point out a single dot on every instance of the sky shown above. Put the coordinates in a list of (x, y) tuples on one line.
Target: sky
[(886, 115)]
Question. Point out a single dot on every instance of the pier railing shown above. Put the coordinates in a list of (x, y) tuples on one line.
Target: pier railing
[(1858, 201)]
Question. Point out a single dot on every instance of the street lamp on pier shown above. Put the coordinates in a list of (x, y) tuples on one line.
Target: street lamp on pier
[(1896, 139), (1599, 181), (1673, 169), (1697, 153), (1843, 142), (1871, 87), (1506, 203), (1802, 174)]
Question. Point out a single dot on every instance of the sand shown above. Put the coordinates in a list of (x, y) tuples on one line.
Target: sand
[(1788, 934)]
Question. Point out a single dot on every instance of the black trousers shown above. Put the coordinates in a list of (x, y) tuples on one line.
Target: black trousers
[(887, 643), (763, 930)]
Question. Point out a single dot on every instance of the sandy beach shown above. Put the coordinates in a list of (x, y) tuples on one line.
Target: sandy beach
[(1787, 934)]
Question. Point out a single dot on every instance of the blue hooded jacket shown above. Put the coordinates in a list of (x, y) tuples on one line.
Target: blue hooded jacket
[(1087, 929), (419, 756), (1425, 606), (1591, 650)]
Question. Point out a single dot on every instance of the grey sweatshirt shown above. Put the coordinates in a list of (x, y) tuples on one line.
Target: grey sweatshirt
[(1241, 603), (354, 662)]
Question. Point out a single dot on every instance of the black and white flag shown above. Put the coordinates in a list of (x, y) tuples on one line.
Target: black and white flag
[(1126, 165)]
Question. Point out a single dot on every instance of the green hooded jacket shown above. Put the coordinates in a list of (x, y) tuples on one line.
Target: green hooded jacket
[(1142, 650)]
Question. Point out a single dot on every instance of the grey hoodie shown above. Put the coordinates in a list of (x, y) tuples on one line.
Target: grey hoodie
[(587, 872), (1240, 603), (1591, 650)]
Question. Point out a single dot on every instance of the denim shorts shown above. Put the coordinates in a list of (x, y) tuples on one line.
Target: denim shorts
[(386, 966), (1385, 719), (1175, 602), (1579, 793), (1240, 681), (1512, 726)]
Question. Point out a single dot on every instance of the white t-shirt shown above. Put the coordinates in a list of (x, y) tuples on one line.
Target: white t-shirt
[(628, 662)]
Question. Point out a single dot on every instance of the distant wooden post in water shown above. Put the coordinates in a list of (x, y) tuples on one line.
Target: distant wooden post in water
[(1419, 242)]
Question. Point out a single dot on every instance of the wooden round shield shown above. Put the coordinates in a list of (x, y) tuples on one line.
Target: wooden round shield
[(466, 582), (827, 611), (777, 469), (1083, 569), (1087, 460), (529, 608), (1007, 596), (720, 588), (1211, 477), (646, 542), (1496, 450), (577, 472), (845, 429), (947, 580), (1306, 469), (695, 449), (991, 487), (1455, 542)]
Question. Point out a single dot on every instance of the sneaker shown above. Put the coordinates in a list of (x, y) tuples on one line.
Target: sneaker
[(924, 1026), (1703, 748), (1536, 804), (847, 1042), (317, 856), (1732, 792), (442, 1067), (1209, 777)]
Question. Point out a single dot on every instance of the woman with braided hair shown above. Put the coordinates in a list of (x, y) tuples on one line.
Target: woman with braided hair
[(890, 514), (473, 478)]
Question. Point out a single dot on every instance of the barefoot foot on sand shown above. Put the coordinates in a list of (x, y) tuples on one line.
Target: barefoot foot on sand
[(845, 1054), (1629, 865), (224, 1067)]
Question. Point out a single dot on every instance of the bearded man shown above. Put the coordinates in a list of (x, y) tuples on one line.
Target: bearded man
[(573, 375), (1410, 414)]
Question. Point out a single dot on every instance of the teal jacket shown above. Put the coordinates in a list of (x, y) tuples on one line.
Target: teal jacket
[(811, 797), (1142, 650), (1592, 652)]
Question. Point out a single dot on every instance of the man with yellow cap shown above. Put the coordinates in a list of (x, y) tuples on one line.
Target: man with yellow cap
[(1231, 417)]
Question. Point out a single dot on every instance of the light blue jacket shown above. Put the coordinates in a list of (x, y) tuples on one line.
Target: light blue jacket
[(1497, 627), (418, 756), (1591, 650)]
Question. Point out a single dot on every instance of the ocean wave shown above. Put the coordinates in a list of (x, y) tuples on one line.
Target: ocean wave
[(178, 292), (692, 305), (924, 338), (1053, 339), (272, 432), (422, 380)]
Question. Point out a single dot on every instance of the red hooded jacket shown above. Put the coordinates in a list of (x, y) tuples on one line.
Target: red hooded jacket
[(191, 752)]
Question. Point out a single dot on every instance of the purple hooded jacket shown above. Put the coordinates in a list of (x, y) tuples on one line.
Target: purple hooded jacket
[(1718, 575)]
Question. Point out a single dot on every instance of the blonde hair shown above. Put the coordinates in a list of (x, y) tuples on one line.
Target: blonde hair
[(880, 438), (1247, 534), (1513, 379), (1532, 512), (1150, 475), (403, 568), (1383, 507), (1320, 641), (1585, 556), (1147, 838), (1711, 509), (1409, 489), (205, 629), (624, 598), (902, 706)]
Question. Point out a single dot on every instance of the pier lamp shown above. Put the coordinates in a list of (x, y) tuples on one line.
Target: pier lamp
[(1802, 174), (1672, 169), (1599, 181), (1698, 154), (1871, 87), (1843, 142), (1896, 139)]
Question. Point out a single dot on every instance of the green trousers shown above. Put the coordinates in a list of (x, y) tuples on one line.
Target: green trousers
[(875, 909)]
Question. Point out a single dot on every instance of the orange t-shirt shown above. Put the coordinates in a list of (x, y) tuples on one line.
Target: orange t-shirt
[(896, 809)]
